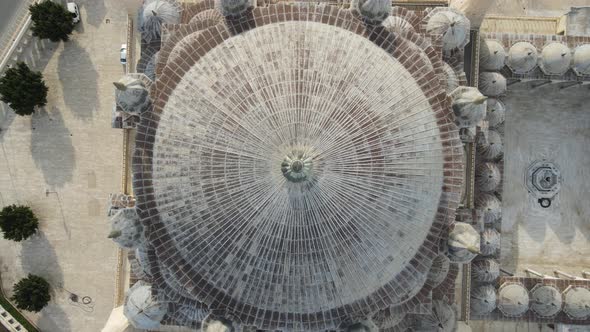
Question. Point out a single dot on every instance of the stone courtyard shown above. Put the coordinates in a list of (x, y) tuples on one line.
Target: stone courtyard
[(63, 162), (547, 123)]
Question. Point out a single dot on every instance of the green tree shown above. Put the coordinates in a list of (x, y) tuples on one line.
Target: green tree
[(18, 222), (31, 293), (51, 21), (23, 89)]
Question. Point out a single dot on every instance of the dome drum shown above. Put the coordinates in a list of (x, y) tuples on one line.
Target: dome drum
[(206, 100)]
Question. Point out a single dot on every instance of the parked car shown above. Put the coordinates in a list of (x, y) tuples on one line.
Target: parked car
[(124, 54), (73, 8)]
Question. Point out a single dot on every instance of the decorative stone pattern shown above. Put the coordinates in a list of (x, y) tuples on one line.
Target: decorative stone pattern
[(231, 102)]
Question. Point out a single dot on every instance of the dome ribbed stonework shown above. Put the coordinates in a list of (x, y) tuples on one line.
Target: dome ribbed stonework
[(546, 301), (513, 300), (556, 59), (496, 112), (483, 300), (289, 180), (582, 60), (522, 57)]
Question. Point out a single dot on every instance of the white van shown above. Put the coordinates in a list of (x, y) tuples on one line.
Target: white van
[(73, 8)]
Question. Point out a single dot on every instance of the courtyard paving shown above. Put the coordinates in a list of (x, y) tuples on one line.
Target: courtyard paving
[(63, 162), (547, 123)]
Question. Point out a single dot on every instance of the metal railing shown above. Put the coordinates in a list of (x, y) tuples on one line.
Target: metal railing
[(17, 28)]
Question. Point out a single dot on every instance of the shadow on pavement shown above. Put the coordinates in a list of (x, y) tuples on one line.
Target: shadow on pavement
[(79, 80), (51, 147), (38, 257), (95, 11)]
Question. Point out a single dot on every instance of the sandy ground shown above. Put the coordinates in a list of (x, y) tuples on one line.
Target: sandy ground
[(63, 162), (554, 124)]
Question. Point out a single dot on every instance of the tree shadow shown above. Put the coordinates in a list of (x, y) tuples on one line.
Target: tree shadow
[(97, 9), (38, 257), (51, 147), (79, 80)]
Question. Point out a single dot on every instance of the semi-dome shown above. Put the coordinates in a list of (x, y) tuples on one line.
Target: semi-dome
[(150, 67), (483, 300), (495, 113), (450, 77), (491, 55), (546, 301), (487, 177), (271, 157), (372, 11), (577, 302), (513, 300), (582, 60), (556, 59), (485, 270), (463, 243), (126, 229), (397, 24), (132, 93), (442, 319), (490, 206), (522, 57), (141, 265), (154, 14), (489, 146), (469, 106), (208, 17), (451, 24), (142, 309), (439, 270), (492, 84), (490, 242)]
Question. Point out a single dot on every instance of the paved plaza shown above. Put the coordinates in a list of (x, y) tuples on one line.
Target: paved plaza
[(63, 162), (546, 123)]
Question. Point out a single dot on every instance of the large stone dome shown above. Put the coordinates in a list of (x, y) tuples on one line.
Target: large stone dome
[(286, 179)]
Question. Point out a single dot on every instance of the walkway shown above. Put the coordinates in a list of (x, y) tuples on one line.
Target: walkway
[(63, 162)]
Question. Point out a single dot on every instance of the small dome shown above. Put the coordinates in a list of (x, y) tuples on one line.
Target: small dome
[(451, 24), (492, 84), (496, 112), (492, 55), (546, 301), (522, 57), (490, 146), (389, 318), (397, 24), (469, 106), (485, 270), (156, 13), (483, 300), (211, 324), (364, 326), (556, 59), (582, 60), (490, 242), (513, 300), (442, 319), (132, 94), (232, 7), (451, 79), (577, 302), (142, 309), (490, 206), (487, 177), (373, 11), (463, 243), (140, 266), (439, 270), (126, 229)]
